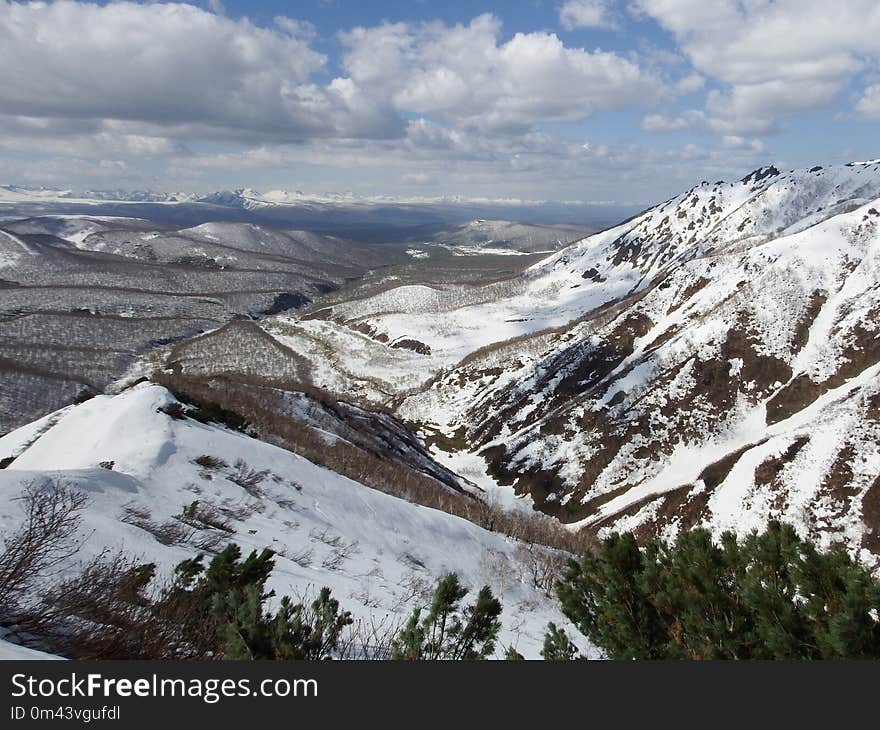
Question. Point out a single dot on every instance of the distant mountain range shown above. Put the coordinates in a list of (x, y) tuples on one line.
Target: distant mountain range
[(247, 197), (381, 219)]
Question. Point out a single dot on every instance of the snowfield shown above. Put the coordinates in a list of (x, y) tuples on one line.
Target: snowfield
[(710, 361), (377, 553)]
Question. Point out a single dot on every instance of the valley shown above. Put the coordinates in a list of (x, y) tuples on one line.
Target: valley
[(460, 401)]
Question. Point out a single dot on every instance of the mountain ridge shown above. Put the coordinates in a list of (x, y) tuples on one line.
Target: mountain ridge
[(728, 309)]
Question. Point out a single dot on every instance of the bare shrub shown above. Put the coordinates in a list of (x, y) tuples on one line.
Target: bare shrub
[(540, 566), (240, 511), (107, 611), (43, 542), (75, 617), (369, 639), (303, 558), (365, 598), (374, 572), (201, 514), (211, 462), (247, 478), (413, 587), (497, 570), (326, 537), (413, 562), (135, 514), (210, 542), (340, 552), (171, 532)]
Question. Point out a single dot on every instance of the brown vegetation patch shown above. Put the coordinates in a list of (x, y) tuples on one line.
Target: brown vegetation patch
[(664, 337), (873, 407), (764, 370), (794, 397), (767, 471), (838, 482), (871, 517), (717, 471), (861, 354), (676, 506), (802, 330), (591, 506), (409, 344), (689, 291)]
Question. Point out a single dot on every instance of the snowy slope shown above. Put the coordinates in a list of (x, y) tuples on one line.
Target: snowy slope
[(604, 267), (500, 236), (710, 361), (302, 511), (731, 378), (10, 651)]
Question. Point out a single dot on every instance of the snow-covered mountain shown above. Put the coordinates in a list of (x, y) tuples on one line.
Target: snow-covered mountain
[(374, 218), (508, 236), (250, 198), (713, 360), (20, 193), (141, 469)]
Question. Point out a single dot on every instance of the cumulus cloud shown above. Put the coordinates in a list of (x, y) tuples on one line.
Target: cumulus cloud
[(735, 142), (173, 64), (772, 57), (586, 14), (534, 165), (123, 90), (465, 75), (700, 120), (868, 106)]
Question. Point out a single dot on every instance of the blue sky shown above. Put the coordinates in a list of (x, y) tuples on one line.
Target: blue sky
[(624, 102)]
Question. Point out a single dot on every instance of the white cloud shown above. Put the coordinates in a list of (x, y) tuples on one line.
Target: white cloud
[(464, 75), (135, 93), (772, 57), (662, 123), (868, 106), (586, 14), (697, 119), (173, 65), (534, 165), (734, 142), (690, 84)]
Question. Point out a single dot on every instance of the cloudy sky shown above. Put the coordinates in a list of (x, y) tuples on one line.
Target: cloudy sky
[(624, 101)]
